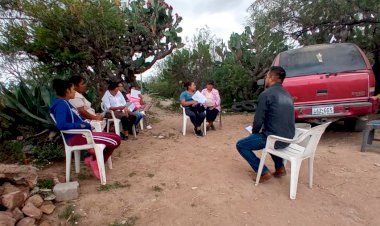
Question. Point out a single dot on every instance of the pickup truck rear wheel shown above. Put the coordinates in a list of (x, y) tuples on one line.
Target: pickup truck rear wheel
[(355, 124)]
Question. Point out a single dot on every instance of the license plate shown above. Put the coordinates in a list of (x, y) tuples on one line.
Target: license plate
[(326, 110)]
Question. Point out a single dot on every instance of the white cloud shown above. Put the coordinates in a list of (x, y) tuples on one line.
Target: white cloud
[(222, 16)]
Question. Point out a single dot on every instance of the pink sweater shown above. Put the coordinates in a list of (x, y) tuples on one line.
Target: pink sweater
[(135, 101), (215, 97)]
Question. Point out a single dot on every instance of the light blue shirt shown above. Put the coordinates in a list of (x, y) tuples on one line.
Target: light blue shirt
[(186, 96)]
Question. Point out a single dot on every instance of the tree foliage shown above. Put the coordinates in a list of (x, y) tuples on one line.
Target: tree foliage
[(322, 21), (96, 38)]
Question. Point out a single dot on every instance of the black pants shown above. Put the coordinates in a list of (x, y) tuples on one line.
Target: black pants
[(126, 121), (211, 114), (196, 114)]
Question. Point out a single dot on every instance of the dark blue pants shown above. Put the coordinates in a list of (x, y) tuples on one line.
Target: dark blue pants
[(254, 142), (196, 114)]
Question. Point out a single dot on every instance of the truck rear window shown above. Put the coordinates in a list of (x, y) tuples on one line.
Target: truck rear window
[(321, 59)]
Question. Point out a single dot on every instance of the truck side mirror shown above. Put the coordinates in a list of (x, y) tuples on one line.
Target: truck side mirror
[(260, 82)]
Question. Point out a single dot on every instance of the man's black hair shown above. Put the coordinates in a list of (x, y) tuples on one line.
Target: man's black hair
[(279, 71), (76, 79), (61, 86)]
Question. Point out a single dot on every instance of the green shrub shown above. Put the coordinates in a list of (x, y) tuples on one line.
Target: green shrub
[(42, 155), (11, 152)]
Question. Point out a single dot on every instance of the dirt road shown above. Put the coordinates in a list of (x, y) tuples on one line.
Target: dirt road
[(185, 180)]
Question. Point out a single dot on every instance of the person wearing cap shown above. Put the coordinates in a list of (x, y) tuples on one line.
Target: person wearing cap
[(212, 103)]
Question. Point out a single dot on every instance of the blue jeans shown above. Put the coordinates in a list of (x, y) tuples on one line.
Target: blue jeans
[(139, 116), (255, 142)]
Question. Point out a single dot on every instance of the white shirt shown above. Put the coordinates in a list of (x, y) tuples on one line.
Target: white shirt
[(80, 101), (113, 101)]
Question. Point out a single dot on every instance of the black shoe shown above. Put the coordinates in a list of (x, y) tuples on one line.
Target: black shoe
[(199, 133)]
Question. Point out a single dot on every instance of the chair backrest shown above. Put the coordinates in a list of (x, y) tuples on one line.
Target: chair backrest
[(314, 135), (52, 117), (86, 133), (183, 110), (102, 107)]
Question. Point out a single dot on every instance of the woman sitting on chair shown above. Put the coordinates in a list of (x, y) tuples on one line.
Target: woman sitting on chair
[(140, 106), (114, 100), (193, 109), (212, 104), (67, 117)]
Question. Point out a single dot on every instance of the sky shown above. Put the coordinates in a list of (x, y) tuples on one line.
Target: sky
[(222, 16)]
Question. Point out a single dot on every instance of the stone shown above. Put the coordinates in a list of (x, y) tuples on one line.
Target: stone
[(6, 219), (66, 191), (34, 191), (17, 214), (1, 190), (28, 149), (47, 207), (27, 221), (9, 188), (45, 223), (19, 174), (36, 200), (14, 199), (31, 211)]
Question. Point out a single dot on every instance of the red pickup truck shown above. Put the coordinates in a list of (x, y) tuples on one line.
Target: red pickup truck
[(330, 82)]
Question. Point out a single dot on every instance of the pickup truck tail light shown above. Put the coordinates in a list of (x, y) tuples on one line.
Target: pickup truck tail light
[(371, 91)]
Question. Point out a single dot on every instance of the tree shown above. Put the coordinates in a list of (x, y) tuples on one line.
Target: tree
[(95, 38), (323, 21)]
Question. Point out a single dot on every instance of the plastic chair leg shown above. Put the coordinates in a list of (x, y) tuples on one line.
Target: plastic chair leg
[(204, 127), (109, 161), (184, 122), (365, 140), (134, 131), (141, 124), (68, 165), (77, 161), (261, 166), (294, 173), (108, 126), (100, 160), (311, 171)]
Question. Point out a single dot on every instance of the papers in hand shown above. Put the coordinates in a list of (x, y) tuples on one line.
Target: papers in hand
[(130, 106), (135, 93), (249, 129), (198, 97)]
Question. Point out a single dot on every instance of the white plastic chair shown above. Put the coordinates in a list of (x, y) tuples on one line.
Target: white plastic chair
[(184, 122), (116, 122), (99, 149), (295, 153)]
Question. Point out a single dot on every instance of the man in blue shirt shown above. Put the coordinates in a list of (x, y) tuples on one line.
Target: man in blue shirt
[(274, 116), (195, 111)]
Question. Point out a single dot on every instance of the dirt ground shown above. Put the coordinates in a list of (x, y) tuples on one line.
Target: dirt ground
[(185, 180)]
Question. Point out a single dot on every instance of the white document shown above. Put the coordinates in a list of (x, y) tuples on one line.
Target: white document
[(199, 97), (249, 129), (131, 106), (135, 93)]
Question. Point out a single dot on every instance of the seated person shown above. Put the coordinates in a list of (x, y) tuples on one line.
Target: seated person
[(80, 102), (138, 114), (114, 100), (212, 104), (67, 117), (193, 109), (140, 105)]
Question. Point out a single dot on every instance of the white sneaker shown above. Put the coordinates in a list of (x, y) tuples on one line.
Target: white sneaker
[(149, 127)]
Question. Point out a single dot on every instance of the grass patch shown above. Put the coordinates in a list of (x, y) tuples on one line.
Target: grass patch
[(85, 174), (157, 188), (114, 185), (45, 183), (150, 175), (154, 120), (68, 214), (131, 221)]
